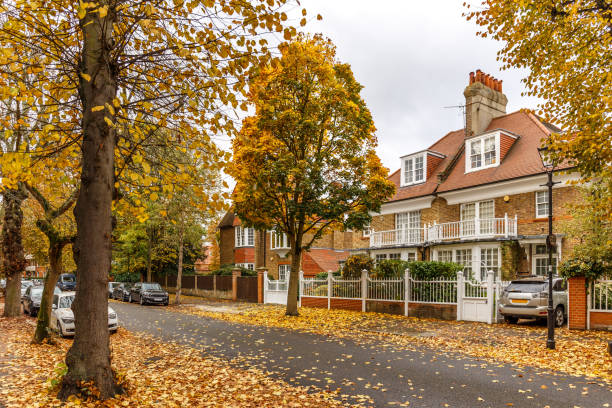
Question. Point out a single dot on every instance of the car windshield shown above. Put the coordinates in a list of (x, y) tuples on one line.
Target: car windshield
[(68, 278), (151, 286), (26, 283), (36, 293), (65, 302), (527, 287)]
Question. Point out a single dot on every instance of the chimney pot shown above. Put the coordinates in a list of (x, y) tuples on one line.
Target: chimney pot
[(500, 85), (488, 80), (471, 78)]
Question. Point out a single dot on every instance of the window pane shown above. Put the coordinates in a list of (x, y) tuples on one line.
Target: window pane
[(401, 221), (464, 257), (418, 169), (445, 256), (395, 256), (541, 203), (489, 257), (412, 256), (486, 209), (283, 272), (408, 171), (468, 211)]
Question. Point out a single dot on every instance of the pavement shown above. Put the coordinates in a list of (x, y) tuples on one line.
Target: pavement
[(368, 373)]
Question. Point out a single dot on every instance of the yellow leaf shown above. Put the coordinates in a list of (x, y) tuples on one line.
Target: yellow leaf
[(103, 11), (108, 122), (97, 108), (86, 77), (153, 196)]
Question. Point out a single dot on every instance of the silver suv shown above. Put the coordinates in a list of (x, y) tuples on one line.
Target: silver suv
[(528, 299)]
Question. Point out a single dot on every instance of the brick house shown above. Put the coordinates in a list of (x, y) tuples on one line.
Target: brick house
[(252, 249), (475, 196)]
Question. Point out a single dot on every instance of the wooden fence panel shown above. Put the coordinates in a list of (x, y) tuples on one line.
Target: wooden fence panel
[(224, 283), (188, 282), (205, 282), (247, 288), (172, 281)]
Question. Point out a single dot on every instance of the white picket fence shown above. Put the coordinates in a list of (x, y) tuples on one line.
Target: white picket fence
[(475, 301)]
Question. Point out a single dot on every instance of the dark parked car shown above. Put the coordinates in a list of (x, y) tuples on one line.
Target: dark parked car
[(122, 292), (31, 299), (111, 287), (66, 281), (148, 293)]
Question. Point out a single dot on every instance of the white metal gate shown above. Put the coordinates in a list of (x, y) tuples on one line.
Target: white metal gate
[(275, 291), (475, 300)]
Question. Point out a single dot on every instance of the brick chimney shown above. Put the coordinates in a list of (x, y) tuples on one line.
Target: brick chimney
[(484, 101)]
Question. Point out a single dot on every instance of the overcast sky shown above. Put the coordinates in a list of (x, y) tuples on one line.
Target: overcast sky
[(413, 58)]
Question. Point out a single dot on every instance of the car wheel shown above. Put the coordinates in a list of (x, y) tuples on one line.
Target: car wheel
[(141, 301), (130, 298), (511, 319), (559, 316), (61, 330)]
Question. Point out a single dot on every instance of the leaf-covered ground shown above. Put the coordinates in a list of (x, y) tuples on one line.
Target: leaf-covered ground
[(156, 375), (578, 352)]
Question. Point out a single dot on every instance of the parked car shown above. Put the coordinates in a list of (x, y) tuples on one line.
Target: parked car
[(528, 299), (25, 284), (62, 317), (148, 293), (111, 287), (122, 292), (66, 281), (31, 300)]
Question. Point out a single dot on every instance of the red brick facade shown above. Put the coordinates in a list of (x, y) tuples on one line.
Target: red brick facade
[(577, 316)]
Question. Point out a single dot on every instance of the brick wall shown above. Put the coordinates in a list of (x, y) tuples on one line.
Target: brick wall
[(436, 311), (346, 304), (244, 255), (601, 320), (314, 302), (577, 315), (380, 306)]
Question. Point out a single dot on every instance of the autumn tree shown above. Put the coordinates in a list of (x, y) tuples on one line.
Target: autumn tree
[(305, 162), (566, 46), (123, 70)]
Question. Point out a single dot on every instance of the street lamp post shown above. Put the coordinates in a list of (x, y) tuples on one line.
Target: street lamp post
[(550, 241)]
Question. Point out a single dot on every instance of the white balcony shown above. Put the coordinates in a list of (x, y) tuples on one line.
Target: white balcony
[(279, 244), (409, 236), (458, 230)]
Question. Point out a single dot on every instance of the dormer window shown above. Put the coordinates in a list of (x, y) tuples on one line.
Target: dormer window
[(482, 152), (413, 169)]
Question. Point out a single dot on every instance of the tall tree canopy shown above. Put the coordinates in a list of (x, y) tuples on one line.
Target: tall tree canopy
[(305, 162), (107, 75), (567, 47)]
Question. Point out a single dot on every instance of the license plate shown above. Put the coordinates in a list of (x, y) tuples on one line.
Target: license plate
[(520, 301), (158, 299)]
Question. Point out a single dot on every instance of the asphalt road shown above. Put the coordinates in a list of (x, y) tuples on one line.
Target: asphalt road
[(372, 374)]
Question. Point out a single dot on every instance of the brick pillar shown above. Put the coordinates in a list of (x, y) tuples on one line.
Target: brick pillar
[(577, 314), (261, 272), (235, 274)]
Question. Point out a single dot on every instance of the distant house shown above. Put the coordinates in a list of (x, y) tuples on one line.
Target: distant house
[(251, 249), (202, 266), (476, 196)]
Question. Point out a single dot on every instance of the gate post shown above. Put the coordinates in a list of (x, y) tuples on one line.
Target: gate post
[(490, 295), (406, 290), (460, 287), (300, 288), (330, 282), (235, 274), (262, 284), (364, 289)]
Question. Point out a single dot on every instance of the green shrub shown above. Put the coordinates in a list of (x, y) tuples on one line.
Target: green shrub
[(590, 269), (427, 270), (390, 268), (355, 264), (323, 275)]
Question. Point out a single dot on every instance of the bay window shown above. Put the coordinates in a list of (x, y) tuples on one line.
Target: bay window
[(244, 236)]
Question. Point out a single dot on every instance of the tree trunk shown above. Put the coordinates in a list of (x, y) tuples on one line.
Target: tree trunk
[(44, 314), (14, 261), (179, 276), (294, 277), (88, 359)]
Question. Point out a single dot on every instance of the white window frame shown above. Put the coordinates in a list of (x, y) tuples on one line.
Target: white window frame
[(244, 237), (284, 269), (278, 240), (439, 251), (538, 200), (410, 161), (246, 265), (366, 231), (543, 256), (481, 139), (477, 205)]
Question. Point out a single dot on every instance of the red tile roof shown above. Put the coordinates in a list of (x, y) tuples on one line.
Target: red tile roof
[(322, 260), (521, 160)]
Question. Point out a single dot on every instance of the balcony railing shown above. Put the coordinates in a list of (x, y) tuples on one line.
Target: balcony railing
[(458, 230), (397, 237)]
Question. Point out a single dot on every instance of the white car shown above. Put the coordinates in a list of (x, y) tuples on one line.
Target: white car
[(62, 317)]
